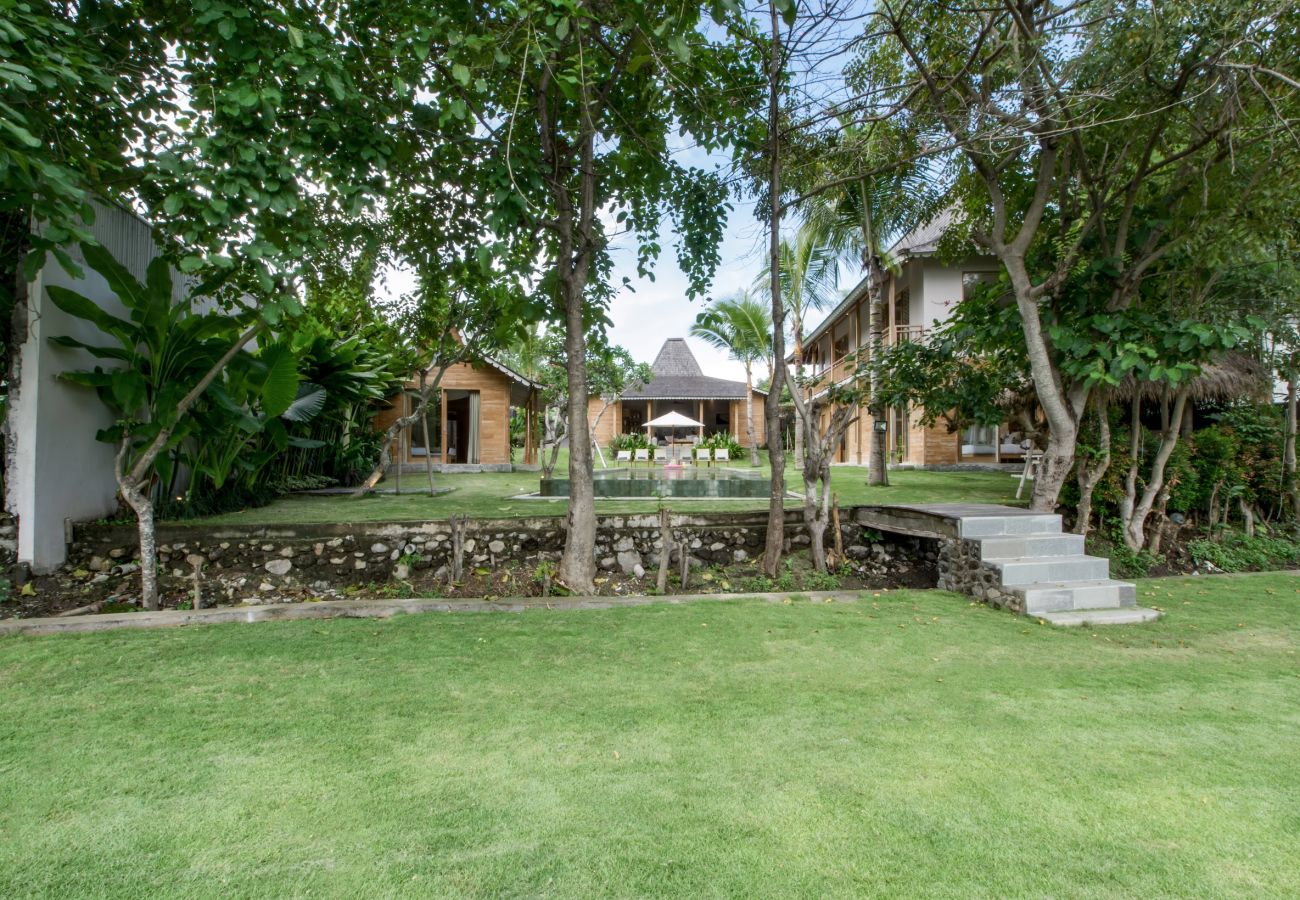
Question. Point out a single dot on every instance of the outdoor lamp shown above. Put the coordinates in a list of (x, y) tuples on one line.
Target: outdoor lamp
[(880, 425)]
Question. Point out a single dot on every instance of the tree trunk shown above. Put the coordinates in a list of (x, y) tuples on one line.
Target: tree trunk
[(665, 548), (1090, 474), (1129, 500), (1135, 526), (456, 570), (578, 564), (749, 415), (142, 506), (837, 533), (1060, 407), (554, 435), (403, 422), (1292, 486), (772, 403), (133, 483), (877, 458)]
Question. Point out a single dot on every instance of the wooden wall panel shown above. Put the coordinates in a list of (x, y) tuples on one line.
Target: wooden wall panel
[(494, 409)]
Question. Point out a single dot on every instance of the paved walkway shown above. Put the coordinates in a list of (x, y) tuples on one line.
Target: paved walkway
[(379, 609)]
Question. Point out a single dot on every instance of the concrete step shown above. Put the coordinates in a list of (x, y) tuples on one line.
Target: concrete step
[(1129, 615), (1045, 597), (996, 526), (1057, 569), (1030, 546)]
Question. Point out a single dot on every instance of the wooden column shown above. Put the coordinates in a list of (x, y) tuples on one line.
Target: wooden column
[(529, 424), (857, 348), (701, 418), (891, 439), (442, 417)]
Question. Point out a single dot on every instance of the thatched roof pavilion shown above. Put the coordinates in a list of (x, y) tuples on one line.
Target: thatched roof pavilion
[(1232, 376)]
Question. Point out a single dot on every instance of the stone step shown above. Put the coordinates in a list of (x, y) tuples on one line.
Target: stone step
[(1128, 615), (997, 526), (1017, 572), (1030, 546), (1045, 597)]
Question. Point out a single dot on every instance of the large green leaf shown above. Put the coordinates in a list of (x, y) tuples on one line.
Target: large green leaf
[(129, 390), (93, 350), (120, 280), (308, 404), (82, 307), (280, 383)]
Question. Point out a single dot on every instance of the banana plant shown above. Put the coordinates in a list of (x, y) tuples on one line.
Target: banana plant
[(163, 348), (243, 424), (167, 357)]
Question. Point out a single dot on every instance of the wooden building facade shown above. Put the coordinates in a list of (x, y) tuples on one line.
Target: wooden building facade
[(468, 422)]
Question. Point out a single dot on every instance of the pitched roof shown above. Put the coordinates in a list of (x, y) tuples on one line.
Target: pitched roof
[(923, 240), (675, 359), (676, 375)]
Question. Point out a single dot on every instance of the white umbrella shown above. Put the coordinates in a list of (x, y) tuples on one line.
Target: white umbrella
[(673, 420)]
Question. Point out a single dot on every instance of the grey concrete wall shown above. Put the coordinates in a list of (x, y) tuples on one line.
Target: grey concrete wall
[(57, 470)]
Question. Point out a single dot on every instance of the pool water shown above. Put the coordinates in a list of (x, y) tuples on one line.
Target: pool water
[(688, 481)]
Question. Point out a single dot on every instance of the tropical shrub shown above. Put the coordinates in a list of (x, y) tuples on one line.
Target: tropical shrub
[(633, 441), (723, 440), (1234, 551)]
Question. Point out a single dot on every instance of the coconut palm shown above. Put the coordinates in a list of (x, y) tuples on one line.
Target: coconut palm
[(860, 221), (810, 282), (742, 326)]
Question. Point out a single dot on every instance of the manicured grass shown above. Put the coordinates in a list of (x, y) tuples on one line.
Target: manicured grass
[(487, 495), (907, 744)]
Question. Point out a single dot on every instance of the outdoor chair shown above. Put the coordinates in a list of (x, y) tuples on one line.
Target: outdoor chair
[(704, 455), (1033, 462), (661, 455), (642, 455), (722, 454), (623, 456)]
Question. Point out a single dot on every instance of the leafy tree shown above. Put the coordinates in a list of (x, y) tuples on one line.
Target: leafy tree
[(581, 104), (743, 327), (250, 135), (808, 272), (611, 370), (1098, 135), (895, 193)]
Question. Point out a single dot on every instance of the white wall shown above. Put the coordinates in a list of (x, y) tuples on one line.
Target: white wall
[(57, 470), (942, 292)]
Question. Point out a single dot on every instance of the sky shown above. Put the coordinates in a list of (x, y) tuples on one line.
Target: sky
[(657, 310)]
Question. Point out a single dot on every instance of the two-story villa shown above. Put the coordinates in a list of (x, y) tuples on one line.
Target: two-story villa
[(920, 293)]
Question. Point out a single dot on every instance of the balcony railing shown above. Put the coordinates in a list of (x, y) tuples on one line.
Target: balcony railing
[(906, 333)]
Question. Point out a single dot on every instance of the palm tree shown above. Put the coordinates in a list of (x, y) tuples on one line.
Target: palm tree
[(861, 220), (742, 326), (808, 270)]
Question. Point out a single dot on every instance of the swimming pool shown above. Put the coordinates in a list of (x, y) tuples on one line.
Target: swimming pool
[(667, 481)]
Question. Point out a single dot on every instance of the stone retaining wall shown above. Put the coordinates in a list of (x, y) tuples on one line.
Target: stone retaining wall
[(962, 569), (245, 560), (8, 541)]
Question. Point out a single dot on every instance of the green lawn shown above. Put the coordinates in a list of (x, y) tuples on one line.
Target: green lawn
[(487, 495), (908, 744)]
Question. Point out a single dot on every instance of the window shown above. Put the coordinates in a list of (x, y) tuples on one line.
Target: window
[(971, 281), (415, 432)]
